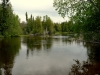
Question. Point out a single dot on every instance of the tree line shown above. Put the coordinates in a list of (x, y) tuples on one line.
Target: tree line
[(44, 25), (10, 24), (84, 19)]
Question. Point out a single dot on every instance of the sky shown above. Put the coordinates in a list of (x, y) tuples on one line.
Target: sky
[(36, 8)]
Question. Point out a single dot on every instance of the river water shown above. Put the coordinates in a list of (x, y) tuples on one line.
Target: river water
[(53, 55)]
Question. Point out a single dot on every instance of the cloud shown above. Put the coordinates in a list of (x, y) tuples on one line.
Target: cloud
[(36, 8)]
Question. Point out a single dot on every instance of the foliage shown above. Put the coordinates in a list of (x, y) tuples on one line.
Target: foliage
[(84, 21), (72, 7), (29, 26), (15, 28), (57, 27), (48, 24), (38, 25), (23, 27), (9, 22), (66, 26)]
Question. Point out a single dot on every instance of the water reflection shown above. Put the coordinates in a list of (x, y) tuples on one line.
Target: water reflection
[(47, 43), (92, 65), (67, 40), (37, 43), (49, 56), (93, 51), (9, 48)]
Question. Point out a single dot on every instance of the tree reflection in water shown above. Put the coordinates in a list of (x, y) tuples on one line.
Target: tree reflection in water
[(37, 43), (92, 65), (85, 68), (9, 48)]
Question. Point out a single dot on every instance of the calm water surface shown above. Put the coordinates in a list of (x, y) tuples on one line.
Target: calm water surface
[(54, 55)]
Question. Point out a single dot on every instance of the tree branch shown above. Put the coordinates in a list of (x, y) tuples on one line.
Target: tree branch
[(91, 1)]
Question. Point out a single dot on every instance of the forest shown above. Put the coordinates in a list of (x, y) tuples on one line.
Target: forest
[(84, 20)]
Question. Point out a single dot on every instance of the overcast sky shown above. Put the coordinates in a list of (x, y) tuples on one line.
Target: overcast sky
[(36, 8)]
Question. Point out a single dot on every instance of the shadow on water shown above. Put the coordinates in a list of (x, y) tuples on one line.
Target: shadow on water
[(92, 65), (37, 43), (9, 48)]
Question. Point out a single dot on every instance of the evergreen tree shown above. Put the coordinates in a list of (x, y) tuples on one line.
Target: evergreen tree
[(26, 16), (30, 25)]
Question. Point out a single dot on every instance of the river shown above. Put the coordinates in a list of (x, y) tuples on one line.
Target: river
[(54, 55)]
